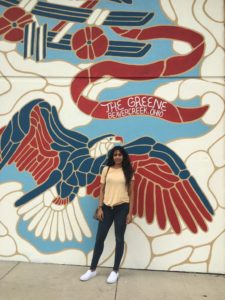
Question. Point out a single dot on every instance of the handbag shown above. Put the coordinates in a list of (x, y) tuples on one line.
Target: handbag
[(95, 216)]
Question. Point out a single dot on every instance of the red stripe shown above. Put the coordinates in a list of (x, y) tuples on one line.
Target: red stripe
[(42, 125), (136, 185), (160, 210), (53, 166), (141, 188), (29, 166), (155, 178), (59, 26), (150, 202), (25, 162), (24, 142), (183, 211), (194, 197), (192, 207), (168, 177), (89, 4), (163, 32), (179, 64), (171, 212)]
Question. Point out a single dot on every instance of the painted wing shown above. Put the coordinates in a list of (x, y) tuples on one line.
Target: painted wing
[(27, 143), (35, 141), (165, 189)]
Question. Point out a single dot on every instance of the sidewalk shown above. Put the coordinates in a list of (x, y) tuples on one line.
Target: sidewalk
[(28, 281)]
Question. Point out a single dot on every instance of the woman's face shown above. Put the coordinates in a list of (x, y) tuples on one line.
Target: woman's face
[(117, 157)]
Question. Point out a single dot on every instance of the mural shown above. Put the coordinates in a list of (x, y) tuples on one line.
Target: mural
[(78, 78)]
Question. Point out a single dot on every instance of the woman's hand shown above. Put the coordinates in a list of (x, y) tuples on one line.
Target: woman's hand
[(129, 218), (100, 214)]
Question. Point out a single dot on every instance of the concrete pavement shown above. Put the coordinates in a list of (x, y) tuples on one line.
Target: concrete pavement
[(29, 281)]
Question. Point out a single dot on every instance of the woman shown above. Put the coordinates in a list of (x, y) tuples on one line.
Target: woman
[(115, 205)]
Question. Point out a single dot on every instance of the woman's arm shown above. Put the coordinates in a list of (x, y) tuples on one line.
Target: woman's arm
[(100, 202), (131, 201), (101, 196)]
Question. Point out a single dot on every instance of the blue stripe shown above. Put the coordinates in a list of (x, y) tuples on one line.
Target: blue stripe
[(201, 195), (62, 41), (125, 19), (122, 1), (76, 136), (171, 153), (72, 138), (25, 41), (60, 7), (37, 44), (121, 43), (61, 12), (142, 149), (33, 34), (17, 133), (141, 141), (56, 139), (58, 46), (127, 22), (65, 37), (8, 3), (125, 49), (54, 177), (165, 157), (7, 147), (129, 13), (44, 40), (125, 52), (80, 152), (59, 17), (6, 136), (122, 54), (9, 154), (24, 115)]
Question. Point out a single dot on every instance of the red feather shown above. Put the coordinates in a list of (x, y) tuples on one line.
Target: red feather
[(34, 153), (161, 194)]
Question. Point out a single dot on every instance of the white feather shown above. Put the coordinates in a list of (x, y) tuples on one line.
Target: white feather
[(61, 229), (74, 224), (30, 214), (36, 219), (47, 229), (68, 230), (54, 227), (81, 219), (41, 225)]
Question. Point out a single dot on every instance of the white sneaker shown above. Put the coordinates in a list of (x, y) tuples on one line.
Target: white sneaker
[(88, 275), (113, 277)]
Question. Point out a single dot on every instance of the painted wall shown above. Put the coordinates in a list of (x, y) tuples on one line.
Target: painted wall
[(79, 78)]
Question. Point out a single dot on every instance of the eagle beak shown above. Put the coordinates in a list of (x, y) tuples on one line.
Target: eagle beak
[(119, 139)]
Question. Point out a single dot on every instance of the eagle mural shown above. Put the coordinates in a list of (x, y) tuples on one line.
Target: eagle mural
[(67, 161)]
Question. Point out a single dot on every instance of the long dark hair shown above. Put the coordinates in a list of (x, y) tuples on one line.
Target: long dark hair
[(126, 164)]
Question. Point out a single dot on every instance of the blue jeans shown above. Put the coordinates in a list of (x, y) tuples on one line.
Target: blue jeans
[(118, 214)]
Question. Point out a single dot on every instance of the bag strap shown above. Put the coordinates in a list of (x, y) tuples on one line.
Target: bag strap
[(106, 176), (107, 173)]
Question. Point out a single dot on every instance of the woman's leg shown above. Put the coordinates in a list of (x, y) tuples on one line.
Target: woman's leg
[(103, 228), (120, 217)]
